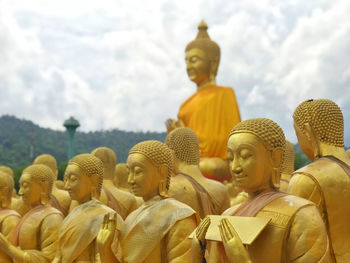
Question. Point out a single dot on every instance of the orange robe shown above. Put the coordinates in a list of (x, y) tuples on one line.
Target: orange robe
[(211, 112)]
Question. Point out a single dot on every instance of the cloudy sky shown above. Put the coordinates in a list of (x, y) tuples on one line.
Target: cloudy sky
[(120, 63)]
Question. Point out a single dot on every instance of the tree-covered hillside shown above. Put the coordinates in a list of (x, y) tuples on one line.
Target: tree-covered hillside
[(16, 136)]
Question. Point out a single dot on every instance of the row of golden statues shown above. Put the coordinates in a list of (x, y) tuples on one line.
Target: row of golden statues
[(159, 206)]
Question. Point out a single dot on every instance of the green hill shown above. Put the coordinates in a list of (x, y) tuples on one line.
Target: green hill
[(16, 135)]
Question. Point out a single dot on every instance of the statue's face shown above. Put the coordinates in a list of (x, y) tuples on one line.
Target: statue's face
[(30, 190), (250, 162), (304, 142), (197, 65), (144, 177), (78, 184)]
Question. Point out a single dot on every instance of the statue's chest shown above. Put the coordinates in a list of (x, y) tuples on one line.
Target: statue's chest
[(30, 232)]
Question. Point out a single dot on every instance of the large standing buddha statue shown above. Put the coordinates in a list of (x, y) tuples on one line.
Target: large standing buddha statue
[(212, 111), (319, 127), (35, 236), (295, 232)]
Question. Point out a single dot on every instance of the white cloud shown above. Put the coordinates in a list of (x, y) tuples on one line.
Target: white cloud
[(120, 64)]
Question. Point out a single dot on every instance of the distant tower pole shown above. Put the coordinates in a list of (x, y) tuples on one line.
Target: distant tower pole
[(71, 125), (31, 150)]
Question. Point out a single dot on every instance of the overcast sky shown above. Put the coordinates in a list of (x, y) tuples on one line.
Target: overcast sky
[(120, 64)]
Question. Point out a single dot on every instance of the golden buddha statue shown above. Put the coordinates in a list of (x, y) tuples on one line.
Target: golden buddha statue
[(120, 180), (157, 231), (189, 186), (9, 171), (8, 217), (121, 175), (212, 111), (35, 236), (59, 198), (287, 166), (121, 201), (319, 127), (79, 230), (296, 232)]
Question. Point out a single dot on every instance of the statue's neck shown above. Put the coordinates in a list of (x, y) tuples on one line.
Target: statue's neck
[(191, 170), (338, 152), (205, 84)]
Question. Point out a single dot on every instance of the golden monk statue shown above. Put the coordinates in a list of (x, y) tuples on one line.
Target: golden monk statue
[(8, 217), (120, 180), (79, 230), (319, 127), (287, 166), (59, 199), (189, 186), (121, 175), (35, 237), (121, 201), (296, 232), (212, 111), (9, 171), (157, 231)]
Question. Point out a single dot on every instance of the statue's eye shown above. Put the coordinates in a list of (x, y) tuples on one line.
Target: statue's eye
[(193, 59)]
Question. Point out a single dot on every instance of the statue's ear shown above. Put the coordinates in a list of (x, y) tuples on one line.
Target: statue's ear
[(277, 157), (163, 170), (313, 139), (214, 64)]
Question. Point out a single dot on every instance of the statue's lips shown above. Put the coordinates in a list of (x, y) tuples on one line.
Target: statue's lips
[(240, 177)]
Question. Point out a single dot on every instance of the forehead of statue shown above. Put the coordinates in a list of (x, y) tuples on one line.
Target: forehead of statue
[(74, 169), (196, 52), (138, 159), (25, 177), (242, 139)]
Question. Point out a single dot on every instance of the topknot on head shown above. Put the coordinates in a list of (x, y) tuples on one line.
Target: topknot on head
[(203, 41), (184, 142), (326, 120)]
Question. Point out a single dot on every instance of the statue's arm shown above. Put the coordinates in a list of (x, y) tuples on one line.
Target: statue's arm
[(8, 226), (48, 236), (307, 241), (178, 245), (303, 186)]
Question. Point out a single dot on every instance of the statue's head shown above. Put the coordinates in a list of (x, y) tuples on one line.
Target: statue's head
[(121, 175), (318, 121), (7, 170), (36, 184), (6, 189), (288, 159), (150, 166), (108, 158), (83, 177), (255, 152), (202, 56), (48, 160), (184, 142)]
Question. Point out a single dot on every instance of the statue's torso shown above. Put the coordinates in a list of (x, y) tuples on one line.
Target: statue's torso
[(327, 184), (4, 215)]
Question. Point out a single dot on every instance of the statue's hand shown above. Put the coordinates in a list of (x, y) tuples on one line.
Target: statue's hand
[(199, 242), (172, 124), (106, 235), (4, 243), (234, 248)]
